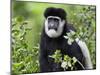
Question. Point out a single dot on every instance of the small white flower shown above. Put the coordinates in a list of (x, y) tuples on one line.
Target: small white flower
[(69, 64), (70, 41), (64, 64), (74, 59), (69, 35), (72, 32), (66, 37), (66, 67)]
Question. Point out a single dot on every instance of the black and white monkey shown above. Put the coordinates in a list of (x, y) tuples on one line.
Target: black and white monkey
[(52, 39)]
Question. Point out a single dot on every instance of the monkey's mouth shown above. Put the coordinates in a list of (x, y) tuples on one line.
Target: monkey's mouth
[(52, 27)]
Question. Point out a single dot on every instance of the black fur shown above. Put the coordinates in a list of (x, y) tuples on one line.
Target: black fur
[(55, 12), (49, 45)]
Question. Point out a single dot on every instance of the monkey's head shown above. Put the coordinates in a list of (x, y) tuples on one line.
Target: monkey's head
[(54, 21)]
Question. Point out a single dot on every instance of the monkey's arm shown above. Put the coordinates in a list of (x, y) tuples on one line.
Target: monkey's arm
[(44, 66)]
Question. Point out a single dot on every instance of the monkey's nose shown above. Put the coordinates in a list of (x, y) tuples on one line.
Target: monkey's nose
[(52, 25)]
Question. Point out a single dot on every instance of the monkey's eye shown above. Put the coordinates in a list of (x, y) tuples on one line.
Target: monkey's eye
[(56, 20), (50, 19)]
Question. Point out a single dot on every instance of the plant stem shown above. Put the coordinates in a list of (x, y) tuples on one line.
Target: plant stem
[(81, 64)]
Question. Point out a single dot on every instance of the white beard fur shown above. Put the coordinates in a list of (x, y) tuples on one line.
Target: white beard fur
[(53, 33)]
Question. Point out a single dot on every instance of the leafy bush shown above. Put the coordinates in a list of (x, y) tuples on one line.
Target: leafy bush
[(66, 61), (22, 58), (87, 30)]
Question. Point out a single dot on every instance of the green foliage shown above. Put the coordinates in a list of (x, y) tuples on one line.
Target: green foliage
[(71, 36), (66, 61), (22, 57), (57, 56), (70, 62)]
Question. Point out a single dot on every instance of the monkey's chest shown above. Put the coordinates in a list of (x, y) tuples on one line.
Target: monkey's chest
[(53, 46)]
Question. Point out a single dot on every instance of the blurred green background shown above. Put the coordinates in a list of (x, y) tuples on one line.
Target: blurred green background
[(29, 15)]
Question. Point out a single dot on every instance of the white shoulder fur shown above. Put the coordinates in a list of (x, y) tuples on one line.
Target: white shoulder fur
[(85, 51)]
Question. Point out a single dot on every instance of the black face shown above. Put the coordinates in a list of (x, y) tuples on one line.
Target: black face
[(53, 23)]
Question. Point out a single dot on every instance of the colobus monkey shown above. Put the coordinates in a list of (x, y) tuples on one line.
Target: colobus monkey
[(52, 39)]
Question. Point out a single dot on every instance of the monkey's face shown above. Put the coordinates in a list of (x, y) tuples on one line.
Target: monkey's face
[(53, 23), (54, 26)]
